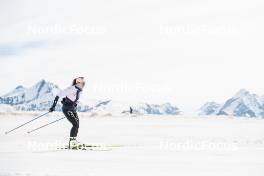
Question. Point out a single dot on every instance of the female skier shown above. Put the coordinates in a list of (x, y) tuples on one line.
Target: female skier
[(70, 97)]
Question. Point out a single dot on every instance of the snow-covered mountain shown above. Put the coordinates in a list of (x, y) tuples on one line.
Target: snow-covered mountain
[(242, 104), (167, 108), (209, 108), (114, 107), (40, 98)]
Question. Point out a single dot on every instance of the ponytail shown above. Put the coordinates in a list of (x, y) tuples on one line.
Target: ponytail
[(74, 82)]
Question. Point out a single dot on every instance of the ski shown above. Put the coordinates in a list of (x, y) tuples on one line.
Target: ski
[(91, 147)]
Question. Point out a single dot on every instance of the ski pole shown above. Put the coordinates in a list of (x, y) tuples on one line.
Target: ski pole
[(27, 123), (46, 125)]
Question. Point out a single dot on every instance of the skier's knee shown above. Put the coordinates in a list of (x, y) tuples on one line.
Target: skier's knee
[(76, 125)]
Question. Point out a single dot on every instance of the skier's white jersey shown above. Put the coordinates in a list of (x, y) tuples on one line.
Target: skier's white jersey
[(70, 92)]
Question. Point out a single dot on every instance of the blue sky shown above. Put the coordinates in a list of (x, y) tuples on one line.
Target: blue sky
[(184, 52)]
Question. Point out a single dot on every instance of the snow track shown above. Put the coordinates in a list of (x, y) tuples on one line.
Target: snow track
[(154, 145)]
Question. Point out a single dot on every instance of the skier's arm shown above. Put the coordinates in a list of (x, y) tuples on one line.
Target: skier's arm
[(63, 93), (54, 104)]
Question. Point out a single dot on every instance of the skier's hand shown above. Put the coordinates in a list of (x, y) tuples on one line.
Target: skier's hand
[(52, 109)]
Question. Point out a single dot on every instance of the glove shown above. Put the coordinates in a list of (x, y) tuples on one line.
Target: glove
[(54, 104), (52, 109)]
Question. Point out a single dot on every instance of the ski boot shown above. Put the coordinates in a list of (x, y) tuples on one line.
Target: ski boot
[(73, 143)]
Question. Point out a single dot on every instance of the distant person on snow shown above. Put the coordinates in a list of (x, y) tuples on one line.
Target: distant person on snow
[(70, 97), (131, 110)]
